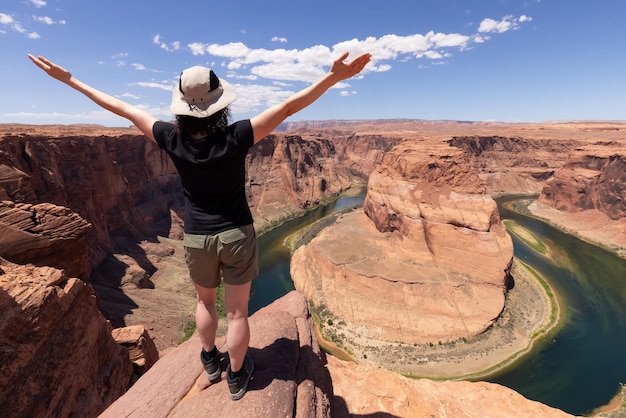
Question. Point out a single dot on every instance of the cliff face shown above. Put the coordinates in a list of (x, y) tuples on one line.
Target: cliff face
[(120, 185), (44, 235), (57, 356), (86, 204), (592, 177), (124, 186), (289, 173), (514, 164), (429, 239)]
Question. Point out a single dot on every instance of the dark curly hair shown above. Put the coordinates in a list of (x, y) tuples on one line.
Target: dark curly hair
[(217, 122)]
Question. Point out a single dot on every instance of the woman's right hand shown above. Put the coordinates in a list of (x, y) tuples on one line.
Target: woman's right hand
[(53, 70)]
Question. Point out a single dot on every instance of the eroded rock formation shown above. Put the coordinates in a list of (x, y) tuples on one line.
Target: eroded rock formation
[(288, 173), (510, 165), (141, 349), (123, 186), (119, 184), (44, 235), (426, 261), (593, 177), (57, 356), (290, 377)]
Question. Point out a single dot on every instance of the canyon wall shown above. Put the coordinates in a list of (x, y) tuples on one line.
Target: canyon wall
[(74, 205), (124, 186), (592, 177), (509, 165), (71, 197), (121, 185), (57, 356), (426, 260)]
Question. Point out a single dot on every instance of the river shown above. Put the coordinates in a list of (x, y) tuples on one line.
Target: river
[(579, 367)]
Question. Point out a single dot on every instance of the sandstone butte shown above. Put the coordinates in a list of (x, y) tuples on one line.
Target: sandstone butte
[(90, 221)]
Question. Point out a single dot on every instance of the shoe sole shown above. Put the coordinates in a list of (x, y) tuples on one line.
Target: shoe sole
[(215, 376)]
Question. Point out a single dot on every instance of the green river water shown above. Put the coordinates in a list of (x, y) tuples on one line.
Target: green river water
[(576, 369)]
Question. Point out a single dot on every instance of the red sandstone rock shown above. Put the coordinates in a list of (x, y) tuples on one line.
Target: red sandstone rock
[(289, 173), (58, 357), (593, 177), (121, 185), (364, 390), (44, 235), (436, 250), (293, 378), (289, 380), (32, 171), (141, 349), (514, 165)]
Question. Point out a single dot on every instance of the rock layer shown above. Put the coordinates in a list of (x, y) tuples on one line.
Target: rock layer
[(514, 164), (591, 178), (57, 356), (44, 235), (426, 261), (121, 185)]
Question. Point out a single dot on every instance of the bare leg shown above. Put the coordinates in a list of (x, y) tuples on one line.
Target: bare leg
[(238, 336), (206, 316)]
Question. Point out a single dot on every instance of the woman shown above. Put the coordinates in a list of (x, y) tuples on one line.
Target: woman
[(209, 155)]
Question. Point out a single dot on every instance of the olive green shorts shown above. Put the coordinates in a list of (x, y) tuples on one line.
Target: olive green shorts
[(233, 254)]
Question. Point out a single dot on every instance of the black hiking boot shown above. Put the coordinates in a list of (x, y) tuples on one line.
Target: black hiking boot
[(211, 363), (239, 385)]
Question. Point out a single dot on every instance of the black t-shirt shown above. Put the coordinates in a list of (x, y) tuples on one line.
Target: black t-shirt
[(213, 174)]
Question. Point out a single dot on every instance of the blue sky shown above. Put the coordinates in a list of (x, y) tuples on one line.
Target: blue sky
[(484, 60)]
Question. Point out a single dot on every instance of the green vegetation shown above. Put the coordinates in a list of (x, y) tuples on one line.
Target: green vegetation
[(526, 236), (190, 326), (554, 306), (324, 322)]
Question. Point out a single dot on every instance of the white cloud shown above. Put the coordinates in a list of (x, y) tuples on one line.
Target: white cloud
[(38, 3), (154, 85), (129, 95), (14, 25), (260, 65), (6, 19), (172, 46), (507, 23), (254, 98), (47, 20)]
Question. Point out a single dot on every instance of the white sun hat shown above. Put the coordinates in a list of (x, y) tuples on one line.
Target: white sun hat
[(200, 93)]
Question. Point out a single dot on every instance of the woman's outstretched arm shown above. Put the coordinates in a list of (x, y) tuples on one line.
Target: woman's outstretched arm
[(141, 119), (268, 120)]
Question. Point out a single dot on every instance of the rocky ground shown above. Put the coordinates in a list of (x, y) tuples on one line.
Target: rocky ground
[(164, 310)]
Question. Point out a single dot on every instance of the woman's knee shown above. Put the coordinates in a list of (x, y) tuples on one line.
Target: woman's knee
[(206, 296)]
